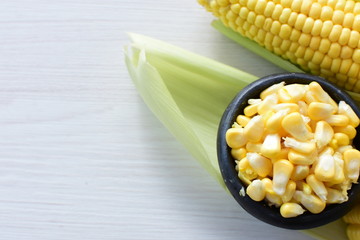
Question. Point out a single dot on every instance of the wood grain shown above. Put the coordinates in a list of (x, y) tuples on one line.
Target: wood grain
[(81, 155)]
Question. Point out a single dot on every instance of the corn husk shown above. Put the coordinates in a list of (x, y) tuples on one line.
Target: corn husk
[(188, 93)]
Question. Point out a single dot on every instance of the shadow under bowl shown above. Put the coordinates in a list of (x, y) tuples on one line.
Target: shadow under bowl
[(262, 210)]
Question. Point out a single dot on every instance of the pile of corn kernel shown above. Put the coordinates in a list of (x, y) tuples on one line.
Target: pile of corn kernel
[(293, 148)]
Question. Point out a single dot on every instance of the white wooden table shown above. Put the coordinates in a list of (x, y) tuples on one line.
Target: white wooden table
[(81, 155)]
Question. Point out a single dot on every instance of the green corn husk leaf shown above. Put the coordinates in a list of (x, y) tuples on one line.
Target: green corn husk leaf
[(263, 52), (188, 93)]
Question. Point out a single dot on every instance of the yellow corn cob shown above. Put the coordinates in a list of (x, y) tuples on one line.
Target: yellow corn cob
[(321, 37)]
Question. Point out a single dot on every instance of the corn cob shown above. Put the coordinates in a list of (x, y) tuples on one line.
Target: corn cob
[(321, 37)]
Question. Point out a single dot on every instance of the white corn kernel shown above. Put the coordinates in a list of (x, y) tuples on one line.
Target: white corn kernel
[(352, 164), (294, 124), (325, 167), (323, 134), (281, 175), (260, 164), (310, 202), (302, 147), (272, 89), (267, 104), (345, 109), (317, 186)]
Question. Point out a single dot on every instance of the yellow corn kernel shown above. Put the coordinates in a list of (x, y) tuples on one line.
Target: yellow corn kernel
[(242, 120), (320, 111), (267, 104), (342, 149), (349, 130), (326, 13), (271, 90), (281, 175), (238, 153), (335, 196), (300, 158), (273, 124), (268, 184), (253, 147), (325, 167), (321, 95), (354, 39), (337, 120), (271, 145), (353, 216), (317, 186), (346, 110), (235, 137), (256, 190), (310, 202), (283, 154), (300, 172), (289, 210), (289, 191), (295, 125), (245, 172), (301, 147), (271, 197), (352, 164), (333, 143), (251, 110), (292, 107), (326, 29), (342, 139), (304, 187), (323, 134), (254, 130), (260, 164)]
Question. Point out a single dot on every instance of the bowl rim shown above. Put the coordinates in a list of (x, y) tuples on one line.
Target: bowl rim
[(261, 210)]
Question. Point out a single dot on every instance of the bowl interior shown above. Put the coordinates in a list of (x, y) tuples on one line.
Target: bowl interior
[(261, 210)]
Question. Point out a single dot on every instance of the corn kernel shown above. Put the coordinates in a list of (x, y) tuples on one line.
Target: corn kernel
[(281, 175), (294, 124), (317, 186), (335, 196), (300, 172), (289, 210), (338, 120), (256, 190), (320, 111), (253, 147), (310, 202), (325, 167), (254, 130), (346, 110), (260, 164), (235, 137), (352, 164), (301, 147), (238, 153)]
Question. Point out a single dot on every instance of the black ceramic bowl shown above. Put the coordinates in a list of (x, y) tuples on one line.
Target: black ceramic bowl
[(261, 210)]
